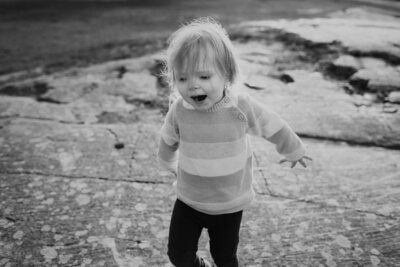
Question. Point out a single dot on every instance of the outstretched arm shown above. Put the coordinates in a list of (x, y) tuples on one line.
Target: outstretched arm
[(290, 146), (266, 123)]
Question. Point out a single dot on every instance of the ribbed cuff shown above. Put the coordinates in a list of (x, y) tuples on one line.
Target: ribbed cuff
[(170, 165)]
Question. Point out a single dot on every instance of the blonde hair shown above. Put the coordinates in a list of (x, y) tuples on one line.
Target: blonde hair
[(189, 43)]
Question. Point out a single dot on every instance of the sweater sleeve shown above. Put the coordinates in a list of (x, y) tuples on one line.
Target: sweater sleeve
[(169, 140), (269, 125)]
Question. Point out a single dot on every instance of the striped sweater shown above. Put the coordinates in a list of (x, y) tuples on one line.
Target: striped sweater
[(214, 165)]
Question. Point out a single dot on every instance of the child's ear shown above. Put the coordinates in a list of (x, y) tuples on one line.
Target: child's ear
[(227, 83)]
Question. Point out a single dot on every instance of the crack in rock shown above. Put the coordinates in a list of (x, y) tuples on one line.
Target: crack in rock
[(325, 205), (82, 177), (25, 89), (347, 141), (308, 201), (113, 134), (16, 116)]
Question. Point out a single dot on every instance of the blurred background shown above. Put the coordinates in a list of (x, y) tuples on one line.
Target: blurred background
[(46, 36)]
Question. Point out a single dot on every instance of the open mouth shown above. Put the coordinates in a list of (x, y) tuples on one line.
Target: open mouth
[(199, 98)]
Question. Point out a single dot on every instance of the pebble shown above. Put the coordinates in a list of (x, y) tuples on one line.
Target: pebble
[(49, 253), (343, 241), (83, 200), (389, 109), (375, 260), (141, 207), (375, 251), (45, 228), (18, 235), (394, 97), (119, 145), (370, 97)]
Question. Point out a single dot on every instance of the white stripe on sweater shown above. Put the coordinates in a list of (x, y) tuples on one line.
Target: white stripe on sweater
[(214, 167)]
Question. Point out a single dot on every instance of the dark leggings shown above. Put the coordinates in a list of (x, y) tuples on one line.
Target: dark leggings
[(185, 230)]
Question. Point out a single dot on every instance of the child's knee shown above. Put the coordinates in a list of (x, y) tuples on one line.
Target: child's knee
[(232, 263), (182, 258)]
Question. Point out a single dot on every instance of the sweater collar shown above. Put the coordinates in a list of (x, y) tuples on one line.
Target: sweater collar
[(226, 101)]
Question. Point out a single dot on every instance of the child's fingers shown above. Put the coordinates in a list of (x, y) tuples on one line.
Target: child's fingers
[(303, 163), (307, 157)]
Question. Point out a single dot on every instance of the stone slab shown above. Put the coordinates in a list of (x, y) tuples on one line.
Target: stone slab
[(80, 185), (366, 179), (353, 28), (50, 148), (66, 221), (318, 108)]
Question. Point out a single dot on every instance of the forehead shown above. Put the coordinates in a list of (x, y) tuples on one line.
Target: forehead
[(197, 57)]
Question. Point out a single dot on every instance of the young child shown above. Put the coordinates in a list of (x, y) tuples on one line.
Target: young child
[(210, 125)]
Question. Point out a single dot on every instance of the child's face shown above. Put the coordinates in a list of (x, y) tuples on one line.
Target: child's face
[(203, 87)]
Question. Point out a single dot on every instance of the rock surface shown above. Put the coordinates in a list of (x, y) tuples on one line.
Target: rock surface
[(80, 184)]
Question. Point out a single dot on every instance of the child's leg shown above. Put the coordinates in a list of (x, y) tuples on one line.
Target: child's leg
[(224, 239), (184, 234)]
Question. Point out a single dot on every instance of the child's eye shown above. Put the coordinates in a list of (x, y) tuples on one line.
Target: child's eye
[(205, 77), (181, 79)]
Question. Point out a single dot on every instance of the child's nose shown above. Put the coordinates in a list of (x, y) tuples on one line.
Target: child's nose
[(195, 84)]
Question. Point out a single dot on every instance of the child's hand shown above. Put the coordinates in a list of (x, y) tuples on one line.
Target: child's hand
[(301, 161)]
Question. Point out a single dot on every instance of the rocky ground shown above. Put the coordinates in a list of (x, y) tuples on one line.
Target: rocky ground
[(80, 185)]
